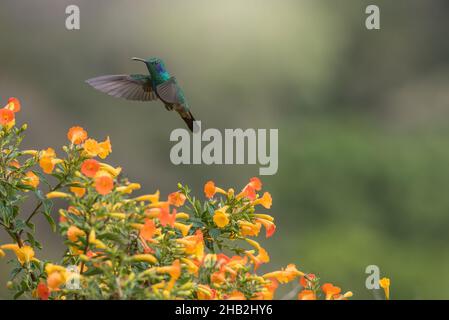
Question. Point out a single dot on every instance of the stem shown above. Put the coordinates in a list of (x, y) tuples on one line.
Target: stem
[(39, 205)]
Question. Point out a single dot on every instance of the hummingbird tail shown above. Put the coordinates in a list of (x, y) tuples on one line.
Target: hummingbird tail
[(190, 121)]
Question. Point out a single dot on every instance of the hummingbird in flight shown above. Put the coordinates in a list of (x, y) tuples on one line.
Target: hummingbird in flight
[(159, 84)]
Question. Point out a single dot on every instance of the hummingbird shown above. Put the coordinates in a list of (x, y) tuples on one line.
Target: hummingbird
[(159, 84)]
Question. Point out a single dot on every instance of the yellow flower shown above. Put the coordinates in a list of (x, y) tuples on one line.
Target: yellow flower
[(221, 218), (56, 276), (184, 228), (385, 284), (249, 229), (113, 171), (91, 148), (31, 179), (144, 258), (285, 275), (78, 191), (57, 194), (105, 148), (153, 198), (129, 188), (24, 254)]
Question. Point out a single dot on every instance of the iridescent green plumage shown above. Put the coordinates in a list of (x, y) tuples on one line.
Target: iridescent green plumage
[(159, 84)]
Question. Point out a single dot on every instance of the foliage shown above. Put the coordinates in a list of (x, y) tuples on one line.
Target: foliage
[(121, 246)]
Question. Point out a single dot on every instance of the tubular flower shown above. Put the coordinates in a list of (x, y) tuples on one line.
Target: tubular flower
[(77, 135), (91, 148), (153, 198), (204, 292), (13, 105), (265, 201), (90, 167), (248, 192), (176, 199), (210, 190), (42, 291), (261, 258), (221, 218), (148, 230), (31, 179), (165, 218), (105, 148), (129, 189), (174, 271), (73, 233), (307, 295), (330, 290), (184, 228), (193, 244), (270, 227), (56, 276), (47, 160), (103, 183), (385, 284), (78, 191), (235, 295), (248, 228), (192, 267), (111, 170), (24, 254), (57, 194), (146, 257), (6, 117), (284, 276)]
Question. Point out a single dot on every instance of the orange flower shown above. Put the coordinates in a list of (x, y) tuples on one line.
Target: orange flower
[(307, 283), (31, 179), (193, 244), (90, 167), (14, 163), (330, 290), (47, 160), (43, 292), (6, 116), (165, 218), (176, 199), (77, 135), (148, 230), (261, 258), (91, 147), (174, 271), (205, 292), (13, 105), (306, 295), (78, 191), (249, 229), (286, 275), (105, 148), (265, 201), (255, 183), (235, 295), (210, 190), (73, 233), (221, 218), (270, 227), (104, 183)]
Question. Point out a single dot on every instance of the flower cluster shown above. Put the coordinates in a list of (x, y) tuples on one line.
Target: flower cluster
[(124, 245)]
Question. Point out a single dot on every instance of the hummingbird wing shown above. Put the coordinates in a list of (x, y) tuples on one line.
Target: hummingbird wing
[(171, 93), (131, 87)]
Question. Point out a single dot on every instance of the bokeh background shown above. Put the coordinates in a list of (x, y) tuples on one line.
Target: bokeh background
[(362, 116)]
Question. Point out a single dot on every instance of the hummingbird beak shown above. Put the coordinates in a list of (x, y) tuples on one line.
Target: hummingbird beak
[(138, 59)]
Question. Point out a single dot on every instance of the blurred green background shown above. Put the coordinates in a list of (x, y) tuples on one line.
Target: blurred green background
[(362, 117)]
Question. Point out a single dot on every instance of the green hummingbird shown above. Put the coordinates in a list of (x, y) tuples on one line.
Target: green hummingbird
[(159, 84)]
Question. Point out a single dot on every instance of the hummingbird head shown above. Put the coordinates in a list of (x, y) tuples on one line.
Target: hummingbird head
[(153, 64)]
